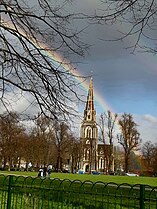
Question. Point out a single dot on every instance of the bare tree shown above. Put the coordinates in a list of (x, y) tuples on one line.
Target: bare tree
[(27, 150), (40, 136), (139, 18), (154, 159), (102, 138), (147, 152), (73, 153), (11, 132), (107, 125), (102, 126), (32, 34), (119, 159), (61, 133), (129, 137)]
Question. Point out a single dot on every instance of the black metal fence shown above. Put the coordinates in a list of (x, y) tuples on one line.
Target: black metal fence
[(19, 192)]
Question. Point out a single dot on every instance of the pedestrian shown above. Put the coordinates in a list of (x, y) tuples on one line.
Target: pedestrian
[(40, 173), (44, 172), (49, 172)]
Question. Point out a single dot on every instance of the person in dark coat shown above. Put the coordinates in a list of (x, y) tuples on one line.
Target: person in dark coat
[(44, 172), (49, 172), (40, 173)]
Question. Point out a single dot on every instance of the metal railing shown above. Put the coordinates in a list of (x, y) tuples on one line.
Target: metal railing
[(19, 192)]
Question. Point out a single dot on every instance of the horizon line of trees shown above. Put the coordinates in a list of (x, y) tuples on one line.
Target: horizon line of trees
[(28, 31), (47, 142), (129, 142), (53, 142)]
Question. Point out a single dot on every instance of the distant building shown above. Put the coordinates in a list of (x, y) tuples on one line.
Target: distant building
[(95, 156)]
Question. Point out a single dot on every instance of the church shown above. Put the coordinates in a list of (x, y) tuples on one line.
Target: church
[(95, 155)]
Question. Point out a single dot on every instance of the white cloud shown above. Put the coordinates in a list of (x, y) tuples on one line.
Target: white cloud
[(149, 118), (19, 102), (147, 127)]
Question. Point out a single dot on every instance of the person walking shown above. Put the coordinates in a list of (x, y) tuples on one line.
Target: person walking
[(49, 172), (44, 172), (40, 173)]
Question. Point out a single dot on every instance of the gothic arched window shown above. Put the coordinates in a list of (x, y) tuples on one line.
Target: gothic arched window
[(88, 154), (101, 162), (87, 142), (88, 132)]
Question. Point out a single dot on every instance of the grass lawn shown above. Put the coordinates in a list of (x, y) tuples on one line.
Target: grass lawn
[(152, 181), (54, 193)]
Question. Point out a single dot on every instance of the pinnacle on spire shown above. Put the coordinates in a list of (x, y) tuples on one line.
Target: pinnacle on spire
[(91, 83), (90, 90), (89, 112)]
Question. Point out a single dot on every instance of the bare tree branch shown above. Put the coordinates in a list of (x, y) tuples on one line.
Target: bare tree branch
[(129, 138), (138, 18), (30, 39)]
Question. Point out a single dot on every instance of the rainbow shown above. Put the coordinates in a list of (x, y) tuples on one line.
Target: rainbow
[(77, 75), (67, 66)]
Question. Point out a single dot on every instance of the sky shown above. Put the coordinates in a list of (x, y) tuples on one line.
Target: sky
[(126, 82), (123, 82)]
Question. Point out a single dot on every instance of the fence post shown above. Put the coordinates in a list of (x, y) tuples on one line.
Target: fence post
[(142, 196), (9, 191)]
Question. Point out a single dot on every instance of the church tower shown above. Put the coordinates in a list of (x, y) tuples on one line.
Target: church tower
[(89, 134)]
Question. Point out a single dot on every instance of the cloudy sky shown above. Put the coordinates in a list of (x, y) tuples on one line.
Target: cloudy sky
[(125, 81)]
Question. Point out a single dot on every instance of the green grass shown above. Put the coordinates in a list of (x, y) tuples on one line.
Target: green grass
[(37, 191), (54, 193), (152, 181)]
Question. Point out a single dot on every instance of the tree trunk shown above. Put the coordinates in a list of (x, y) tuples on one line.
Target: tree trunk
[(19, 163), (110, 158), (4, 162), (57, 164), (72, 164), (126, 168)]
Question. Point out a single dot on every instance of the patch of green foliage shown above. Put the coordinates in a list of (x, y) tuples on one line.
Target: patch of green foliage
[(151, 181), (65, 192)]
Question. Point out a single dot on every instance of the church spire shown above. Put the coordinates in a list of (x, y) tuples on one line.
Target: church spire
[(89, 112), (89, 133)]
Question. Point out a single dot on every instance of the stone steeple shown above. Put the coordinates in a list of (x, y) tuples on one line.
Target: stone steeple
[(89, 112), (94, 156), (89, 133)]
